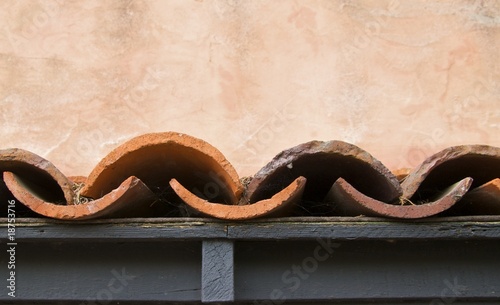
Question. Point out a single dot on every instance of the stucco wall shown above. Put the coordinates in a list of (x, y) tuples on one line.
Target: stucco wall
[(401, 79)]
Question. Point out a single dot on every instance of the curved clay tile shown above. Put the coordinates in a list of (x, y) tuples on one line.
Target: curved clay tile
[(280, 202), (42, 188), (131, 198), (133, 180), (479, 162), (439, 184), (322, 164), (482, 200), (429, 185), (37, 175), (351, 202), (151, 174), (157, 158)]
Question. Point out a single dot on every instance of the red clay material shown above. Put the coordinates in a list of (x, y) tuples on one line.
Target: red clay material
[(130, 199), (283, 200), (112, 188), (167, 174), (483, 200), (323, 163), (350, 202), (157, 158), (37, 175), (480, 162)]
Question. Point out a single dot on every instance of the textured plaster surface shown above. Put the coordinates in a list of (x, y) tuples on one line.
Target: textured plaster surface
[(401, 79)]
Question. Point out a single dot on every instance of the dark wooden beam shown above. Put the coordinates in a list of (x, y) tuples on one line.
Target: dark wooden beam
[(217, 275), (342, 228)]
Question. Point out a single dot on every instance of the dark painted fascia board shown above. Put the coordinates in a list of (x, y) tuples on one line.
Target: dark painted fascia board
[(341, 228)]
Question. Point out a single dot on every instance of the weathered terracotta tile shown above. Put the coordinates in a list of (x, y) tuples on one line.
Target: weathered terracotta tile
[(350, 202), (131, 199), (483, 200), (480, 162), (38, 175), (158, 157), (322, 164), (277, 204), (155, 174)]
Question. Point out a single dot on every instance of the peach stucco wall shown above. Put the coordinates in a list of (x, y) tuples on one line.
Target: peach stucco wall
[(401, 79)]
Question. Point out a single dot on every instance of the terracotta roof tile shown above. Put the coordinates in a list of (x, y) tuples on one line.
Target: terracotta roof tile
[(171, 174), (282, 201)]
